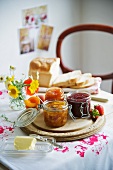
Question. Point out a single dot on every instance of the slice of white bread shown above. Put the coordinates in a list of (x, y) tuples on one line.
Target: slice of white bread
[(89, 82), (67, 79), (83, 79)]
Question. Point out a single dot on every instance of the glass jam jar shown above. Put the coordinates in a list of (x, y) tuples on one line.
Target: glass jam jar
[(54, 93), (55, 113), (81, 104)]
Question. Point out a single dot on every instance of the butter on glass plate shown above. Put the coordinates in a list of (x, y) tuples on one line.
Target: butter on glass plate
[(7, 148)]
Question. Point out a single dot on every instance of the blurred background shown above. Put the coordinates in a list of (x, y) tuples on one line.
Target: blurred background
[(89, 53)]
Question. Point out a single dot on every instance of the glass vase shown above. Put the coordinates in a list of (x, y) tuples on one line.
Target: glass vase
[(16, 104)]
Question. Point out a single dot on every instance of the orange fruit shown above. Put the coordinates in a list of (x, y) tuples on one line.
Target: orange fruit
[(29, 104), (35, 99), (32, 102)]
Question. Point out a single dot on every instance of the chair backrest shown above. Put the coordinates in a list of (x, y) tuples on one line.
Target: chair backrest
[(79, 28)]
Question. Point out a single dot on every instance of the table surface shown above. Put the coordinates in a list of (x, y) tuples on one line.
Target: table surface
[(92, 153)]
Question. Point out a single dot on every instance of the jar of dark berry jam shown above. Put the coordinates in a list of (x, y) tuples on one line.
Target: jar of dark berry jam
[(54, 93), (81, 103)]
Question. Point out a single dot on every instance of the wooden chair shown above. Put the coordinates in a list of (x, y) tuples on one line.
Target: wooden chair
[(79, 28)]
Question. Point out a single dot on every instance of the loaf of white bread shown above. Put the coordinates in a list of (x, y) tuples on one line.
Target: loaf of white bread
[(44, 69)]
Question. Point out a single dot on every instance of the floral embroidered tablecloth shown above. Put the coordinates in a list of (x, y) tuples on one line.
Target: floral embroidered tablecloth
[(92, 153)]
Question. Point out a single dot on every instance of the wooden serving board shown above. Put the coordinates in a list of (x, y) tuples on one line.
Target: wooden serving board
[(68, 127), (73, 130)]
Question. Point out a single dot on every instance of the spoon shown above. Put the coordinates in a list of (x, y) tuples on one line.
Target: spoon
[(41, 100)]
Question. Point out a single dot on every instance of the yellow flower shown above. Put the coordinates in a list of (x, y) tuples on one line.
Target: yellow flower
[(8, 81), (2, 78), (13, 91), (12, 68), (33, 86), (10, 78)]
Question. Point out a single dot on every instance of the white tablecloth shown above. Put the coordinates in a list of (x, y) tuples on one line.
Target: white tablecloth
[(92, 153)]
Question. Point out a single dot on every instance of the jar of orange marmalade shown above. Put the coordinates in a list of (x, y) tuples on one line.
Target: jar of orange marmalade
[(54, 93), (55, 113)]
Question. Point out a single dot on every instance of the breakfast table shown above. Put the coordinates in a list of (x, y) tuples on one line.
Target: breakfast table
[(94, 152)]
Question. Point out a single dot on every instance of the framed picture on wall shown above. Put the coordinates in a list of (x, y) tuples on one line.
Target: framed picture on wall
[(33, 17), (26, 40), (45, 35)]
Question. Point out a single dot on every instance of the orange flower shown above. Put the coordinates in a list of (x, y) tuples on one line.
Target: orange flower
[(32, 86)]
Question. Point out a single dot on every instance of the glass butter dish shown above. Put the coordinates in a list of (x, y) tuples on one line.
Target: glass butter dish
[(7, 148)]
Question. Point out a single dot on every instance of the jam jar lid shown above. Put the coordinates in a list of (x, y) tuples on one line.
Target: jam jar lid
[(26, 117), (55, 105), (78, 96)]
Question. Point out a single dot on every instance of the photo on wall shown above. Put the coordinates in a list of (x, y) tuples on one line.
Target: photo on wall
[(26, 40), (33, 17), (45, 35)]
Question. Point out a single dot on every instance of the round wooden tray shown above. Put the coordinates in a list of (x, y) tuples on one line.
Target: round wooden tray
[(68, 127), (73, 130)]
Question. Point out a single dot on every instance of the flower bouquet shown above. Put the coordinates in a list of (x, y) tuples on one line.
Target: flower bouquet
[(19, 89)]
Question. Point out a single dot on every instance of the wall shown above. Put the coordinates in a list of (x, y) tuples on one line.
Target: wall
[(92, 52), (97, 53), (62, 14)]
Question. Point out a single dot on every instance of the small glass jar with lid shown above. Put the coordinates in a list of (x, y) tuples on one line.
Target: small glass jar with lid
[(80, 102), (54, 93), (55, 113)]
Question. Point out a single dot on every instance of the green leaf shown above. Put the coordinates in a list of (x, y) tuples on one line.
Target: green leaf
[(95, 112)]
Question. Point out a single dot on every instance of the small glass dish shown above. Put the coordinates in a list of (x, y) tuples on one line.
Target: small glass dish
[(7, 148)]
